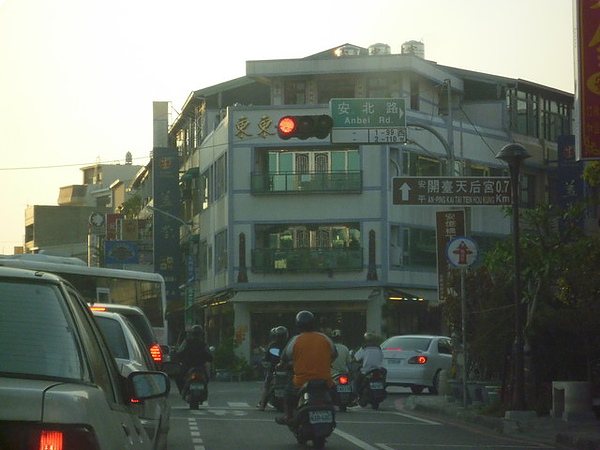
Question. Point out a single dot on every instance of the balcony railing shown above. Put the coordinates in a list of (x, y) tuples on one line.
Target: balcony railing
[(296, 182), (307, 259)]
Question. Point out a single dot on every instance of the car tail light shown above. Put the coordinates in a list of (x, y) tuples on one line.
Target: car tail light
[(51, 440), (420, 359), (97, 308), (61, 438), (156, 353), (343, 379)]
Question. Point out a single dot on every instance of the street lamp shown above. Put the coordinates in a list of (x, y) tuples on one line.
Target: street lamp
[(514, 155)]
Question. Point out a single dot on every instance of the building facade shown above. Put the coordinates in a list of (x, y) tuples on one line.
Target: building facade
[(285, 225)]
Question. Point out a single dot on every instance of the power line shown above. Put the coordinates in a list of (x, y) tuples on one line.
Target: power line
[(66, 165)]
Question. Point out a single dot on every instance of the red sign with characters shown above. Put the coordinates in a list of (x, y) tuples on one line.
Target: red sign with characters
[(588, 41)]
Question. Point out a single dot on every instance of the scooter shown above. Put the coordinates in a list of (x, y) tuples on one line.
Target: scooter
[(372, 389), (345, 395), (195, 391), (277, 389), (314, 417)]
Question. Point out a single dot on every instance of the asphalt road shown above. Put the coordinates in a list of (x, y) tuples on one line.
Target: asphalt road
[(231, 421)]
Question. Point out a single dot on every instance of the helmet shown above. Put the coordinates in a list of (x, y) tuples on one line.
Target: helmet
[(305, 321), (336, 333), (197, 331), (281, 332), (370, 338)]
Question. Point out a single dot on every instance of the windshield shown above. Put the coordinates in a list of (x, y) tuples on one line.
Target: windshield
[(407, 343), (36, 338)]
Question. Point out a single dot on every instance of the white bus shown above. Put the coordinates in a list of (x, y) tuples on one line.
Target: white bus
[(102, 285)]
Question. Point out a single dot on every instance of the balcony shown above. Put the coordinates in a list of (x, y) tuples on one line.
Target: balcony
[(306, 182), (307, 259)]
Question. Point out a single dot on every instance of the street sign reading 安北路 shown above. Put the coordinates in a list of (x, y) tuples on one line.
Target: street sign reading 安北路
[(457, 191), (368, 120)]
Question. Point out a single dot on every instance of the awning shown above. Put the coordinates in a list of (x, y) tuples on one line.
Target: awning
[(305, 295)]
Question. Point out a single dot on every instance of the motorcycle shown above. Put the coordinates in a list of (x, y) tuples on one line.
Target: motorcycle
[(277, 389), (345, 395), (195, 391), (372, 388), (314, 417)]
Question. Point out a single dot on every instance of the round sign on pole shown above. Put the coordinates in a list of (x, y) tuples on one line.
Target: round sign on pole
[(462, 252)]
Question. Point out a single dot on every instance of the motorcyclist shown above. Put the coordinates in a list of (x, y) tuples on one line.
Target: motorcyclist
[(279, 337), (371, 356), (192, 353), (310, 353), (341, 363)]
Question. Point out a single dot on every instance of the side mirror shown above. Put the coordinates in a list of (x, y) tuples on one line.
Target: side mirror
[(274, 352), (146, 385)]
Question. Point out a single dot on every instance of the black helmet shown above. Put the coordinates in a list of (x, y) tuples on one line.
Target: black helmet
[(281, 332), (305, 321), (197, 331)]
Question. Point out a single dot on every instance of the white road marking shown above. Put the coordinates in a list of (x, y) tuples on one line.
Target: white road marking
[(418, 419), (354, 440)]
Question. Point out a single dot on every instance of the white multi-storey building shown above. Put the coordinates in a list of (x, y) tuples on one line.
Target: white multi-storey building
[(286, 225)]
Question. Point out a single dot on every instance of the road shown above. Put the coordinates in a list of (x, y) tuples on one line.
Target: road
[(231, 421)]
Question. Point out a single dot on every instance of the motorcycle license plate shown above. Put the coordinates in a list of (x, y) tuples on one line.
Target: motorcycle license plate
[(320, 417), (376, 385), (196, 387), (344, 388), (278, 393)]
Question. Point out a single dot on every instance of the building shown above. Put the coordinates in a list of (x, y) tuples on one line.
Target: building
[(286, 225), (63, 230)]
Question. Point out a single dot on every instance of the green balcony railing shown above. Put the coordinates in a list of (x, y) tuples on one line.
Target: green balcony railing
[(307, 259), (295, 182)]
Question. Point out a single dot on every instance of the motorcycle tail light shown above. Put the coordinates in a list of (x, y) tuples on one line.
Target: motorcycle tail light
[(343, 379), (156, 353), (420, 359)]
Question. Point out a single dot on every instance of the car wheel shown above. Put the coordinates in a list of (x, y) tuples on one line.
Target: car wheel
[(416, 389)]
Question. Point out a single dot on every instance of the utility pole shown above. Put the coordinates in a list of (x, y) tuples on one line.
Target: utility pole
[(450, 128)]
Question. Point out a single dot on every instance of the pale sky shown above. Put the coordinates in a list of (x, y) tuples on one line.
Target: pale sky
[(78, 77)]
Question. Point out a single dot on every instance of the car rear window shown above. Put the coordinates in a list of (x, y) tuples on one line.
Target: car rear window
[(114, 336), (36, 335), (407, 343), (142, 327)]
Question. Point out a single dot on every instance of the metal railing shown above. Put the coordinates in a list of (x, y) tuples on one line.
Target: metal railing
[(296, 182), (307, 259)]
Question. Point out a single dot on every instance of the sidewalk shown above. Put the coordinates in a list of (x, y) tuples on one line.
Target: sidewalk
[(581, 434)]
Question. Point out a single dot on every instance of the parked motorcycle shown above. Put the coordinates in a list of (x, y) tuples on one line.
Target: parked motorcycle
[(345, 395), (372, 388), (195, 390), (314, 418)]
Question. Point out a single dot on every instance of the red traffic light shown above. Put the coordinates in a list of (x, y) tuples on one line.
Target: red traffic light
[(303, 127)]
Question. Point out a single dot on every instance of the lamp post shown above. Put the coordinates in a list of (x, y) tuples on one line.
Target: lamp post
[(514, 155)]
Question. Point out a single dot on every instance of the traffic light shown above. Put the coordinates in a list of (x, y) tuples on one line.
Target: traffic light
[(303, 127)]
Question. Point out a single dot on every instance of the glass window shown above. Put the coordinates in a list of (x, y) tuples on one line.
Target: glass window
[(36, 335), (115, 338)]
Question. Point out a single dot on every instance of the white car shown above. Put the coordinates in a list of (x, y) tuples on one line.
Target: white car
[(415, 361), (131, 355), (59, 384)]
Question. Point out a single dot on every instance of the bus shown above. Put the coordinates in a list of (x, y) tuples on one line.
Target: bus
[(103, 285)]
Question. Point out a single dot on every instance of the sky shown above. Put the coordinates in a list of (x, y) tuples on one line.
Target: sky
[(78, 77)]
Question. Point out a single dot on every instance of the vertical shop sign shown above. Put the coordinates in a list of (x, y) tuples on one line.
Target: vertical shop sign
[(588, 45)]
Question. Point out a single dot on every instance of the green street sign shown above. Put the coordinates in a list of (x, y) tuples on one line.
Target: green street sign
[(368, 120)]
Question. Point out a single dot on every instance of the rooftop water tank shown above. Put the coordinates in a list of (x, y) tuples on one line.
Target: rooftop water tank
[(347, 50), (416, 48), (380, 49)]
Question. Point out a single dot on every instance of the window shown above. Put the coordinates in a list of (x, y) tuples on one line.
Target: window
[(294, 92), (414, 164), (221, 251), (413, 247)]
